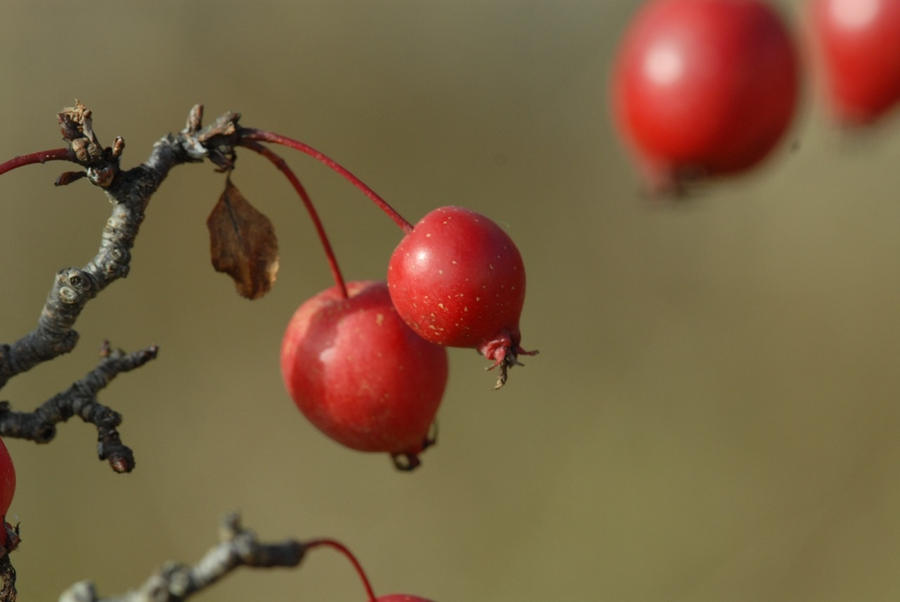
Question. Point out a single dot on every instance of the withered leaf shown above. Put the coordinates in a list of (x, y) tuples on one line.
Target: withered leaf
[(242, 243)]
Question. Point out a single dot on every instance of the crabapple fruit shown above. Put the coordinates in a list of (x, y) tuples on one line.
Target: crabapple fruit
[(858, 44), (704, 87), (7, 487), (401, 598), (458, 280), (360, 374)]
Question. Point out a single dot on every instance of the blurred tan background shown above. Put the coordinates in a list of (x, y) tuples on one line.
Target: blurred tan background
[(714, 414)]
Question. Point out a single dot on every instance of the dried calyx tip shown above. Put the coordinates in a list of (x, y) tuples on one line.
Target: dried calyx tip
[(405, 462), (505, 352)]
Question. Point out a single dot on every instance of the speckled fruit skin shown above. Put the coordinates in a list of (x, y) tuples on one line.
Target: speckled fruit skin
[(401, 598), (858, 46), (704, 87), (7, 487), (359, 373), (458, 279)]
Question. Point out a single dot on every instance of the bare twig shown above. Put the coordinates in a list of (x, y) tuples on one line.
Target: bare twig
[(177, 582), (81, 400), (130, 192)]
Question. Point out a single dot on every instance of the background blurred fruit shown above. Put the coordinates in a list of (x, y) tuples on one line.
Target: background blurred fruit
[(858, 46), (704, 87)]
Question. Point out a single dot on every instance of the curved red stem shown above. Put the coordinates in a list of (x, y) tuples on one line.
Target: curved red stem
[(56, 154), (278, 162), (255, 134), (332, 543)]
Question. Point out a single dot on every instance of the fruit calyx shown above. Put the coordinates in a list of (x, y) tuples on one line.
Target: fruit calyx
[(11, 537), (409, 461), (504, 350)]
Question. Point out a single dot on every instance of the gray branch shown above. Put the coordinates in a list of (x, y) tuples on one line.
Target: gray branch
[(129, 192), (81, 400), (177, 582)]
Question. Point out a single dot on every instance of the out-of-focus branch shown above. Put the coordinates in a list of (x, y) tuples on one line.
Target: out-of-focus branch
[(177, 582), (8, 592)]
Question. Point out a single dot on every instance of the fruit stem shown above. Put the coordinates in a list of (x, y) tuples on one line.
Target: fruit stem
[(56, 154), (332, 543), (278, 162), (255, 134)]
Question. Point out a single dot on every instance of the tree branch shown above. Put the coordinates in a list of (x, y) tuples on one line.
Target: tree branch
[(176, 582), (81, 400), (72, 288), (130, 192)]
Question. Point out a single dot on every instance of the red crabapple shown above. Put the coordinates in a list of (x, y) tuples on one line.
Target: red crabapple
[(458, 280), (7, 488), (360, 374), (858, 42), (704, 87), (401, 598)]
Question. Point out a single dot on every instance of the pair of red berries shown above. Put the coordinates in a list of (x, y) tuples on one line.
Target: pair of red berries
[(708, 87), (365, 361), (369, 369)]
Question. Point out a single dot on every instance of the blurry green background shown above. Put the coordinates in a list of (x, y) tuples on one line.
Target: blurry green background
[(714, 414)]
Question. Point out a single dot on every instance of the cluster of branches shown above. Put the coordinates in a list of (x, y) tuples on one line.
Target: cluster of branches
[(129, 192)]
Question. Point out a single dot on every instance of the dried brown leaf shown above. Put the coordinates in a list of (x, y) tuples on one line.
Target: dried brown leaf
[(242, 243)]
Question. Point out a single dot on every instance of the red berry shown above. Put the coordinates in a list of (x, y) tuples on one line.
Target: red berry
[(704, 87), (360, 375), (7, 488), (858, 42), (401, 598), (457, 279)]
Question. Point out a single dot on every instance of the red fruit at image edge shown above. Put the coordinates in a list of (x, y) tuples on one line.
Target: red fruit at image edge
[(704, 87), (458, 280), (7, 488), (401, 598), (360, 374), (858, 46)]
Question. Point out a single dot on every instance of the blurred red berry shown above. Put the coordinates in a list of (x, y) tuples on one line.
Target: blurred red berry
[(704, 87), (858, 46)]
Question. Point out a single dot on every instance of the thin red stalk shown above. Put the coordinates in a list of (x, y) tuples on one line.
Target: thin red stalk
[(278, 162), (56, 154), (255, 134), (331, 543)]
